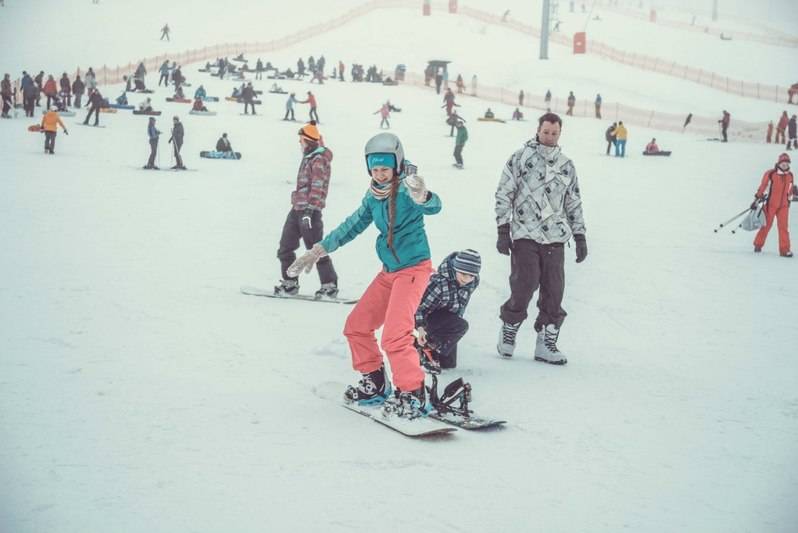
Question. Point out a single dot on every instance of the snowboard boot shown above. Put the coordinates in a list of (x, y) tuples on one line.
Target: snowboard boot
[(372, 389), (546, 347), (327, 291), (408, 405), (507, 333), (287, 287), (786, 254), (757, 249)]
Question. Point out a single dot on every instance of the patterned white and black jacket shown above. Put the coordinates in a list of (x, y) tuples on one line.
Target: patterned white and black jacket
[(538, 194), (443, 292)]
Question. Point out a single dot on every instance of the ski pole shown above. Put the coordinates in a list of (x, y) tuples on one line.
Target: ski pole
[(732, 219)]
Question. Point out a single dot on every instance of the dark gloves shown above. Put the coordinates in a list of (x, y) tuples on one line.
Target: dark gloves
[(581, 247), (307, 218), (756, 201), (504, 243)]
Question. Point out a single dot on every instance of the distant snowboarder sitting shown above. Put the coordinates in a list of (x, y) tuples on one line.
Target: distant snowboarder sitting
[(223, 144), (198, 105)]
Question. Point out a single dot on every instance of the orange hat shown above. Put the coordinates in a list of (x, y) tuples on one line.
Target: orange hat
[(310, 131)]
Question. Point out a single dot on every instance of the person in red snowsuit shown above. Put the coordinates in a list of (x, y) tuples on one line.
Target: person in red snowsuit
[(781, 127), (776, 190)]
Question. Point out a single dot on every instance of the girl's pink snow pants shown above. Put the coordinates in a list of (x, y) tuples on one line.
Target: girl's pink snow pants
[(390, 301)]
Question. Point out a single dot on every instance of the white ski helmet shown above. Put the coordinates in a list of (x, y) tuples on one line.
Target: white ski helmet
[(386, 143)]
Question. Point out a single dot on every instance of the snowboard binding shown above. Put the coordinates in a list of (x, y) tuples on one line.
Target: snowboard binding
[(455, 398)]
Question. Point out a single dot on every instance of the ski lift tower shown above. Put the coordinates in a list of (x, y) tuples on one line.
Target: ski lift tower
[(544, 30)]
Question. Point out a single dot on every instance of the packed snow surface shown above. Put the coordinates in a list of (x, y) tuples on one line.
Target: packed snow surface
[(140, 391)]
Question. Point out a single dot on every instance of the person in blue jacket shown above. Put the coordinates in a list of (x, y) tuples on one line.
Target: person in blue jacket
[(396, 203)]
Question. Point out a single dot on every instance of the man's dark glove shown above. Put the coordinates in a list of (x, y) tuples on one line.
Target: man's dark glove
[(307, 218), (756, 201), (581, 247), (504, 243)]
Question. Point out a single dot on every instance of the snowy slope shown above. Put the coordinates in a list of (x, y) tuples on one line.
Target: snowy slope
[(140, 391)]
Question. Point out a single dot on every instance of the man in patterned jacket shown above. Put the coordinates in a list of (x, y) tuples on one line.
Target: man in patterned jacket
[(538, 209), (304, 220)]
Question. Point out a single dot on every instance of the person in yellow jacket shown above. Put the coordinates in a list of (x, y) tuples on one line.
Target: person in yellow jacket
[(620, 140), (50, 123)]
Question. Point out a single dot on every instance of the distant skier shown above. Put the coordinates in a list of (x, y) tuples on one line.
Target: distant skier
[(459, 144), (439, 318), (598, 106), (448, 101), (66, 88), (781, 127), (177, 143), (341, 67), (385, 114), (776, 191), (50, 90), (521, 98), (571, 103), (621, 134), (259, 70), (547, 101), (49, 125), (610, 137), (6, 93), (248, 95), (165, 32), (289, 107), (94, 104), (304, 221), (792, 141), (28, 87), (438, 81), (396, 202), (534, 232), (153, 134), (78, 88), (164, 71), (460, 84), (474, 85), (724, 126), (39, 81), (223, 144), (91, 80), (311, 101), (769, 134)]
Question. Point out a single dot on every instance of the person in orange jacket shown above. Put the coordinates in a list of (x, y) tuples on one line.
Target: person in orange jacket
[(776, 191), (50, 123), (50, 89)]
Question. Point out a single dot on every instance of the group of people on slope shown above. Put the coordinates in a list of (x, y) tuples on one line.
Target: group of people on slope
[(538, 210)]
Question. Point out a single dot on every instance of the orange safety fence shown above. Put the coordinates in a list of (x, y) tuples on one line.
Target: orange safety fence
[(612, 112), (640, 61)]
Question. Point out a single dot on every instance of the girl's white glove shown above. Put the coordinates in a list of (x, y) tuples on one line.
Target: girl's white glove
[(307, 260), (417, 188)]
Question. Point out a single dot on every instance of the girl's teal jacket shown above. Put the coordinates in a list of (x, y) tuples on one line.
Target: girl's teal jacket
[(409, 237)]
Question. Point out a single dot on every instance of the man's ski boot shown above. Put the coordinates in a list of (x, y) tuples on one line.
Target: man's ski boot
[(327, 291), (546, 347), (287, 287), (408, 405), (372, 389), (507, 333)]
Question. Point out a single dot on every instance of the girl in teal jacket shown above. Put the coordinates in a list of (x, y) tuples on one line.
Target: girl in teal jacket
[(396, 203)]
